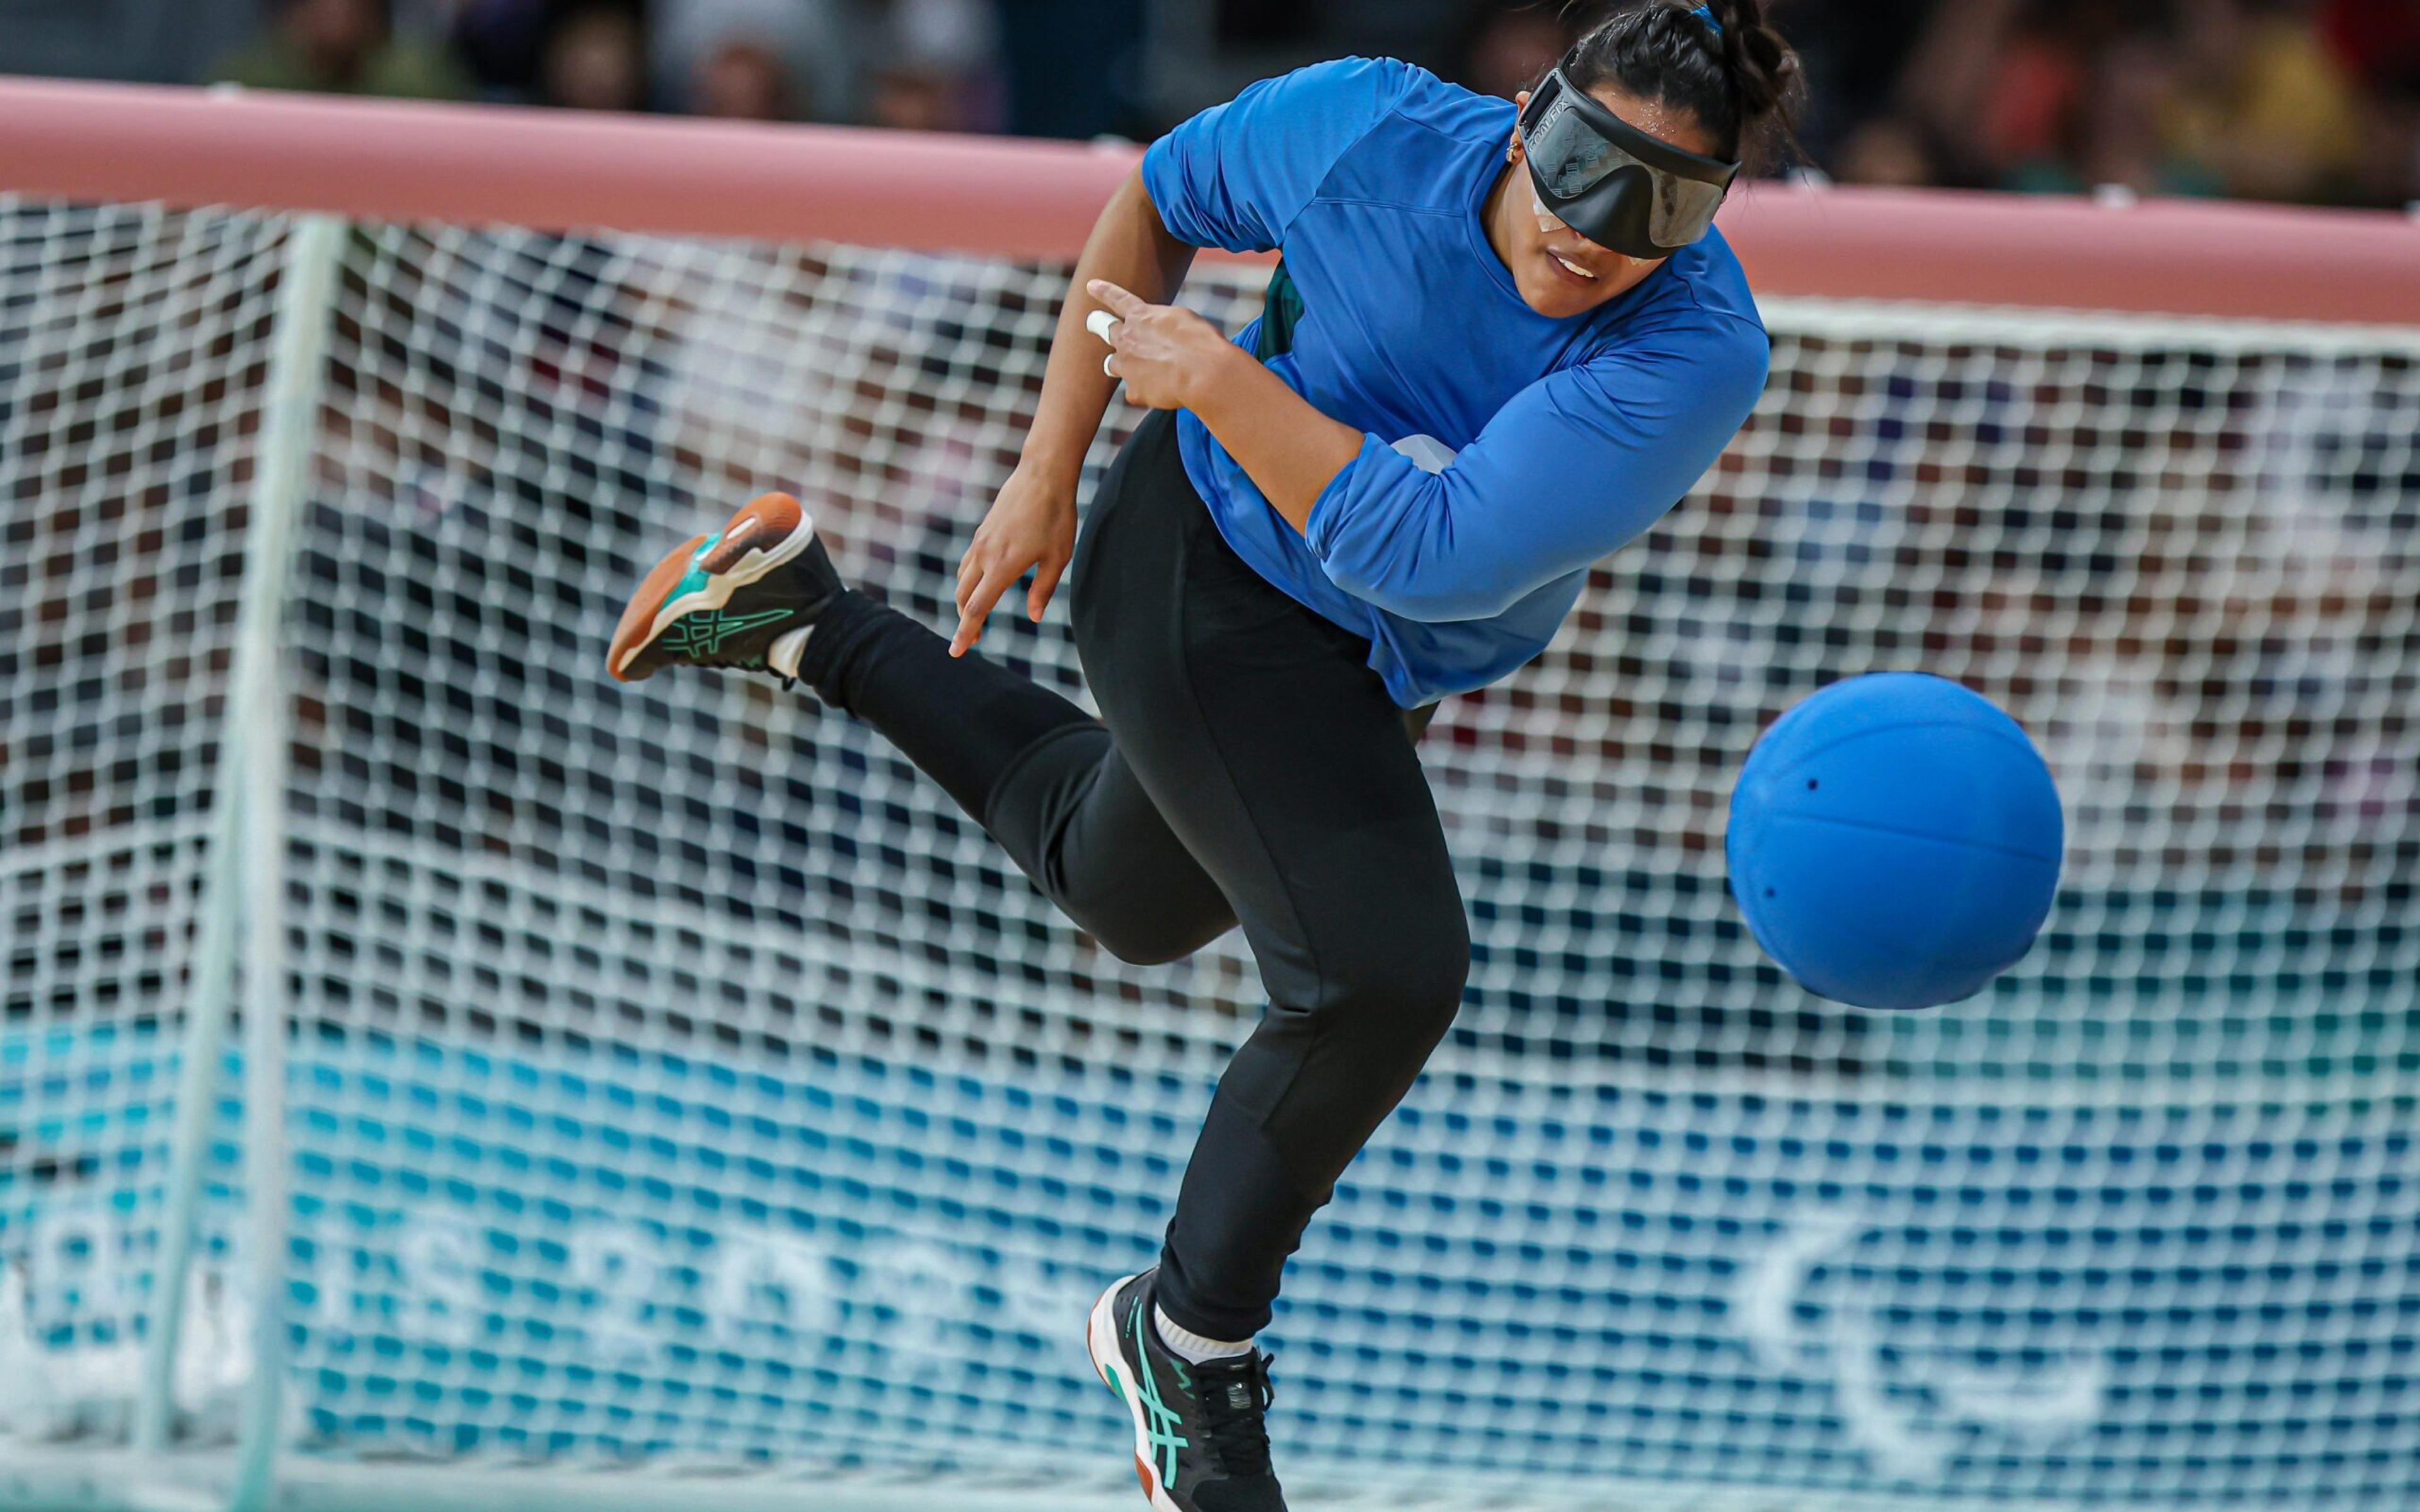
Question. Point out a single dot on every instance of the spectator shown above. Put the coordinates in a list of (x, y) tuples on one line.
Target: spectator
[(2058, 95), (498, 41), (594, 57), (2123, 137), (341, 47), (939, 67), (1505, 47), (1887, 152), (2267, 108), (817, 44), (958, 35), (1855, 53), (914, 100), (745, 81), (2378, 42), (2002, 84)]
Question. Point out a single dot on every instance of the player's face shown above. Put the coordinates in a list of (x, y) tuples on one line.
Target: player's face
[(1559, 271)]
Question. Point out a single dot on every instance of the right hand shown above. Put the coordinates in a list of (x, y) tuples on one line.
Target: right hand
[(1031, 526)]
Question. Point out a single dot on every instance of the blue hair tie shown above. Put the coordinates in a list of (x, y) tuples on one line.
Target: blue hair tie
[(1706, 14)]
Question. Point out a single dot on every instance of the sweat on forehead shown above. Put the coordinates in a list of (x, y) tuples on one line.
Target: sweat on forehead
[(1657, 118)]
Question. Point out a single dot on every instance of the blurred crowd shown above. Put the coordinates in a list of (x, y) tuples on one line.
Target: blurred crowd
[(2313, 101), (945, 65)]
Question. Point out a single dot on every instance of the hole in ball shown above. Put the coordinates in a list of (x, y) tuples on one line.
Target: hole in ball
[(1768, 892), (1810, 784)]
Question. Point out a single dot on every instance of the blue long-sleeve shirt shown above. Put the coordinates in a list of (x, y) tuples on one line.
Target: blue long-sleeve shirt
[(1571, 436)]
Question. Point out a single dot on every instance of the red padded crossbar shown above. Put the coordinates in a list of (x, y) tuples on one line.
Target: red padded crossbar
[(553, 170)]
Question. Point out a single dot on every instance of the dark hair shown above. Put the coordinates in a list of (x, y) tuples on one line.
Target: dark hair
[(1742, 82)]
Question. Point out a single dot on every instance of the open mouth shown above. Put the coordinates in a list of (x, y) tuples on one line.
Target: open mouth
[(1572, 268)]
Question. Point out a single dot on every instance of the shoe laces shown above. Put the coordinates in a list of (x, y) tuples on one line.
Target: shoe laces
[(1236, 1394)]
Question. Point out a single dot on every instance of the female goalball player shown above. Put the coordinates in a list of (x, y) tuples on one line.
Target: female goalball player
[(1503, 341)]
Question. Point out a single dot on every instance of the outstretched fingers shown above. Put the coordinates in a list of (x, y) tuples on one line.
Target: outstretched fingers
[(976, 608), (1045, 582), (1122, 303)]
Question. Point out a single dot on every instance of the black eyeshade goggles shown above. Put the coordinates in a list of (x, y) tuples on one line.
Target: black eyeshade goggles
[(1613, 183)]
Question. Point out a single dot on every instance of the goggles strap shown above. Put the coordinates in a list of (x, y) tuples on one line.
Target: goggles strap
[(1706, 14)]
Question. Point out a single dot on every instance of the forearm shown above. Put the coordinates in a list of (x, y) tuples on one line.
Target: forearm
[(1285, 446), (1131, 247)]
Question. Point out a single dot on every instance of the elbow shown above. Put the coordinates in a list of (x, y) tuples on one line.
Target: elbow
[(1428, 602), (1443, 608), (1410, 572)]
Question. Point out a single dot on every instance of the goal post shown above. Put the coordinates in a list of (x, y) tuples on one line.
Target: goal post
[(433, 1075)]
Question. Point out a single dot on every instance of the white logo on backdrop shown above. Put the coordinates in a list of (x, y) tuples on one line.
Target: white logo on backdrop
[(1909, 1402), (71, 1298), (74, 1296)]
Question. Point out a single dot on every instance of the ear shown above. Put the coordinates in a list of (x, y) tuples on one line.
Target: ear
[(1520, 102)]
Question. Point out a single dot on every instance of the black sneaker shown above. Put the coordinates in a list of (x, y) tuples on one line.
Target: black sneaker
[(744, 597), (1201, 1441)]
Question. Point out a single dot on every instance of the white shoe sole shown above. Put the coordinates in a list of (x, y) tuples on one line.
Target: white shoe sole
[(1101, 1341), (718, 587), (722, 585)]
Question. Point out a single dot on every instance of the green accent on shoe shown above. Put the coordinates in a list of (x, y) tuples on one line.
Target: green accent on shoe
[(1164, 1442), (704, 633), (697, 574)]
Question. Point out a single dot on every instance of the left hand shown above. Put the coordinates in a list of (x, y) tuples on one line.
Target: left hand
[(1164, 353)]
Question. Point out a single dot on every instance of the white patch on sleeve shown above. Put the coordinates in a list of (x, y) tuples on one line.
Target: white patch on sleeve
[(1427, 453)]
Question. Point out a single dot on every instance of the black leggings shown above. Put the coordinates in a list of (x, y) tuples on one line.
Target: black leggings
[(1248, 767)]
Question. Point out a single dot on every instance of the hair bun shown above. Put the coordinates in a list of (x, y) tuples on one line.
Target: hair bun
[(1738, 76), (1763, 65)]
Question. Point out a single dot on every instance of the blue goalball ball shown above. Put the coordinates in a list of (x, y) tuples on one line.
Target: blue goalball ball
[(1895, 841)]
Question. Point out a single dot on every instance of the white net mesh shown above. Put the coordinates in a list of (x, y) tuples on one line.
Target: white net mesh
[(133, 351), (679, 1081)]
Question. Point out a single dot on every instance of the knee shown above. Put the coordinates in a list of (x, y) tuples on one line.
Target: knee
[(1141, 936), (1146, 944), (1402, 988)]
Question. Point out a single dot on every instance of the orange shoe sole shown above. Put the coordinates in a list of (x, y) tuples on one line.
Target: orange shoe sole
[(768, 519)]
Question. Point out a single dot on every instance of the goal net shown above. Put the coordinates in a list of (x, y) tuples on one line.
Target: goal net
[(682, 1103)]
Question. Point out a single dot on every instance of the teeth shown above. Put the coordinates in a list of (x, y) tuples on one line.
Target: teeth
[(1573, 265)]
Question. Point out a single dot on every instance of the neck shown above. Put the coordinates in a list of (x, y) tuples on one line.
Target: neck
[(1502, 203)]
